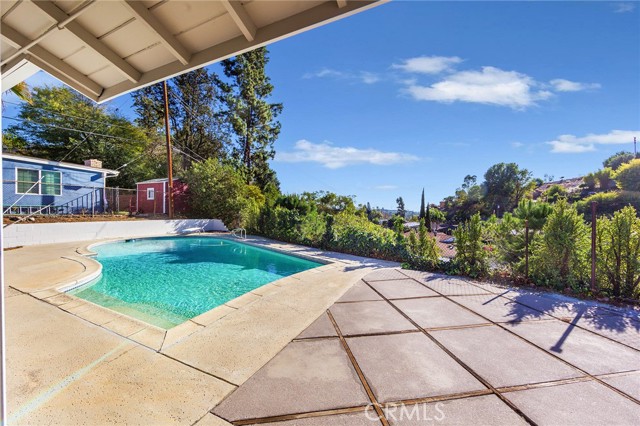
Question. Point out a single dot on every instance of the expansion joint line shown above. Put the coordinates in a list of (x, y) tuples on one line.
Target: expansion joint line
[(584, 372), (454, 357), (363, 379)]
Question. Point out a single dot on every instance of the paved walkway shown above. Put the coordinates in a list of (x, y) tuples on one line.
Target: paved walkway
[(410, 348)]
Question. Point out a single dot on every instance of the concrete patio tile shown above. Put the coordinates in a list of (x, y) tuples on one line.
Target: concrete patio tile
[(407, 366), (43, 294), (266, 289), (322, 327), (304, 376), (585, 350), (398, 289), (211, 420), (73, 305), (499, 309), (151, 337), (243, 300), (125, 326), (11, 292), (628, 383), (385, 274), (138, 387), (39, 355), (478, 410), (213, 315), (60, 299), (453, 286), (556, 304), (97, 314), (583, 403), (621, 329), (503, 359), (436, 312), (180, 332), (354, 419), (368, 317), (360, 292)]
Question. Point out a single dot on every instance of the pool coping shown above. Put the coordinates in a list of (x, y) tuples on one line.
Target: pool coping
[(152, 336)]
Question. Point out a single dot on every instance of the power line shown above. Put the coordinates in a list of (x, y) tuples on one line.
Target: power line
[(68, 115), (70, 129)]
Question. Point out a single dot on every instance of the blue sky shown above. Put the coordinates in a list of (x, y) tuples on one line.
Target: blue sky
[(419, 94)]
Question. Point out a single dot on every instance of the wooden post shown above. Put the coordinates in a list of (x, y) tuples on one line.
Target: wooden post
[(169, 158), (593, 246), (526, 249)]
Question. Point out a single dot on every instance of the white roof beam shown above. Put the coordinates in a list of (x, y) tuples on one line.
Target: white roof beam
[(144, 16), (55, 66), (58, 15), (241, 18), (341, 3)]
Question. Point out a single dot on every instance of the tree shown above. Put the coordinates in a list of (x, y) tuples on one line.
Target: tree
[(618, 252), (590, 181), (436, 217), (60, 124), (604, 178), (618, 159), (560, 257), (401, 210), (628, 176), (505, 184), (555, 193), (471, 257), (198, 128), (252, 117), (217, 191), (423, 213), (427, 218)]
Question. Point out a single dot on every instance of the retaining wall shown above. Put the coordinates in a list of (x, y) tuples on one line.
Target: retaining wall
[(46, 233)]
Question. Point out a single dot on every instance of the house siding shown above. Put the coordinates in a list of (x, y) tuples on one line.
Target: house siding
[(160, 204), (77, 188)]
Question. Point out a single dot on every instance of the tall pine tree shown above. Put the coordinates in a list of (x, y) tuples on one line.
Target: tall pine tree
[(252, 117)]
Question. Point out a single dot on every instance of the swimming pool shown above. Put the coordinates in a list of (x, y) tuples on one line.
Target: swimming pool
[(166, 281)]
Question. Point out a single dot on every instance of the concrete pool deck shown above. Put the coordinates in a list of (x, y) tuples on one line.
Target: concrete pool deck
[(337, 345), (70, 361)]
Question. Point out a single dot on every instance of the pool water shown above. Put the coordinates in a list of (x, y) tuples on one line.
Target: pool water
[(166, 281)]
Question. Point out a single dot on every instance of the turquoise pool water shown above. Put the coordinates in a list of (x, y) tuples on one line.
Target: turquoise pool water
[(166, 281)]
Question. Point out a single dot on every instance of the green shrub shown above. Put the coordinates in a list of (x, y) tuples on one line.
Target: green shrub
[(604, 178), (628, 176), (560, 257), (590, 181), (471, 256), (609, 202), (555, 193), (216, 191), (618, 253), (356, 235), (423, 250)]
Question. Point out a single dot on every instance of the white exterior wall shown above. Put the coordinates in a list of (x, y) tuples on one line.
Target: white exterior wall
[(47, 233)]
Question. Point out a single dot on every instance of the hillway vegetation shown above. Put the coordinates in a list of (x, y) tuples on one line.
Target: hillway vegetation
[(224, 128)]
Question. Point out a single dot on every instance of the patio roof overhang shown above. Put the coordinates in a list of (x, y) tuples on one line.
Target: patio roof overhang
[(106, 48)]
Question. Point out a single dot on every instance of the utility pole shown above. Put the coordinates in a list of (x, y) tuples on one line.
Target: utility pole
[(169, 159)]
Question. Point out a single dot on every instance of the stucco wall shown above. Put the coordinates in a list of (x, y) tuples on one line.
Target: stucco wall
[(46, 233)]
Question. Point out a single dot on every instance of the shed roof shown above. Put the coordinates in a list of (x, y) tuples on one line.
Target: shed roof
[(106, 48), (62, 164)]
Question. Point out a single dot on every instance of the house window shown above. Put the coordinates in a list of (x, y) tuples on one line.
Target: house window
[(39, 182), (151, 194)]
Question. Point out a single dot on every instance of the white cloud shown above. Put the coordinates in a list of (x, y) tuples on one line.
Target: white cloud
[(517, 144), (562, 85), (365, 77), (385, 187), (625, 7), (334, 157), (489, 86), (573, 144), (428, 64)]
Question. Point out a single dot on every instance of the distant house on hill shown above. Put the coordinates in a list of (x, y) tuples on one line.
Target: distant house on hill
[(152, 196), (37, 186), (570, 185)]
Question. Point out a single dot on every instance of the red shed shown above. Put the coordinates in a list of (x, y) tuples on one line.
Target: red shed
[(152, 196)]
